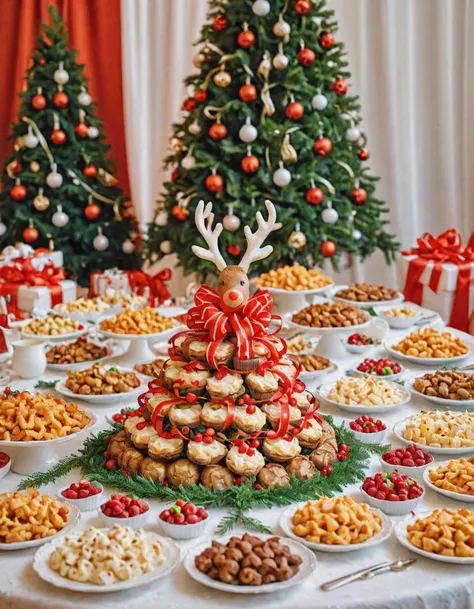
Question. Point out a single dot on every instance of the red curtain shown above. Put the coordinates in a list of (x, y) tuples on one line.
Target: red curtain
[(95, 31)]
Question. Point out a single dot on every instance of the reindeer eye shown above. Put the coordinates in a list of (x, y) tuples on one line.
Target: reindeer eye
[(242, 282), (222, 282)]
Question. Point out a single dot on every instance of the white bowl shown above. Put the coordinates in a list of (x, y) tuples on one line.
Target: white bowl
[(6, 468), (388, 377), (394, 508), (358, 349), (400, 323), (134, 522), (184, 531), (413, 472), (88, 503), (369, 438)]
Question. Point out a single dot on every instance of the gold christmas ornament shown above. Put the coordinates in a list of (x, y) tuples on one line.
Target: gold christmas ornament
[(222, 79), (106, 178), (41, 201), (198, 60), (297, 240), (176, 143), (19, 143), (35, 166)]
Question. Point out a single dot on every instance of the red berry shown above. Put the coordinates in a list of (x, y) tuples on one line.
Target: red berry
[(202, 513), (110, 464), (393, 497), (238, 480), (251, 409), (238, 442), (165, 483), (380, 495), (198, 437), (210, 432), (324, 472), (208, 440), (170, 519), (254, 443), (243, 449), (185, 430), (165, 514), (192, 519), (372, 491), (344, 448), (107, 454), (250, 451), (189, 508), (83, 494), (180, 503), (258, 487), (179, 518)]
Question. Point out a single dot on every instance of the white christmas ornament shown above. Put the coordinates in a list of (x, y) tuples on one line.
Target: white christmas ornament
[(319, 102), (84, 98), (356, 234), (317, 21), (248, 133), (3, 228), (194, 128), (30, 140), (60, 218), (353, 134), (261, 8), (93, 132), (281, 28), (166, 247), (54, 179), (231, 222), (61, 76), (282, 177), (330, 215), (188, 162), (280, 61), (128, 247), (100, 241), (331, 64), (161, 218)]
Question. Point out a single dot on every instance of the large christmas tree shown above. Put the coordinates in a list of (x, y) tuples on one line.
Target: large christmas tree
[(270, 117), (58, 182)]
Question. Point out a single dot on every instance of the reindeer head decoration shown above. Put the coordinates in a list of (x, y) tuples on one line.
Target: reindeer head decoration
[(233, 286)]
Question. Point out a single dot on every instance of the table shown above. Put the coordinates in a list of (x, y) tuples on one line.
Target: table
[(426, 585)]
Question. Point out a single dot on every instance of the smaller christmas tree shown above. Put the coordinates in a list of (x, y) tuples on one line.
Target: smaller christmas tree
[(58, 183)]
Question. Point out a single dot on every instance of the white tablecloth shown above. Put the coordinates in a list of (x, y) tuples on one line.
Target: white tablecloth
[(427, 584)]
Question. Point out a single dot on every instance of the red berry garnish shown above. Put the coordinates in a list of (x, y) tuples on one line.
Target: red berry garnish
[(110, 464), (258, 487), (198, 437)]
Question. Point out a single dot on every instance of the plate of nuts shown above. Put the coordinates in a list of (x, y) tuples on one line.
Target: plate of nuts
[(315, 366), (450, 388), (78, 354), (53, 328), (323, 317), (365, 294)]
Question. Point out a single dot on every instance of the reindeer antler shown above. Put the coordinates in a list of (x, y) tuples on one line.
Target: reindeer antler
[(254, 240), (211, 236)]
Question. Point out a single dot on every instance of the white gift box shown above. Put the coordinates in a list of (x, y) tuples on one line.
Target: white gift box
[(30, 298), (11, 252), (441, 301), (109, 280)]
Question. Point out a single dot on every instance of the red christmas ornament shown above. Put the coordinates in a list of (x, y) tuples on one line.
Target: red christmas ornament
[(294, 111), (248, 93), (339, 87), (18, 192), (58, 137), (38, 102), (327, 40), (306, 57), (42, 61), (92, 211), (315, 196), (61, 99), (30, 234), (302, 7), (180, 213), (214, 183), (322, 146), (250, 163), (15, 166), (217, 131), (246, 39), (174, 175), (90, 171), (200, 96), (220, 23), (328, 249), (233, 250), (359, 196), (364, 154), (188, 105), (81, 130)]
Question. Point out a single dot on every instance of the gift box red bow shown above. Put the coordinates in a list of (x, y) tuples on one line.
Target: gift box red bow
[(447, 247), (139, 281)]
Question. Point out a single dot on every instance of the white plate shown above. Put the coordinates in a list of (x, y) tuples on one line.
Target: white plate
[(306, 568), (91, 316), (311, 377), (111, 398), (401, 535), (434, 362), (331, 293), (321, 331), (112, 352), (451, 494), (384, 533), (74, 517), (404, 394), (58, 337), (157, 336), (399, 427), (40, 565), (463, 404), (297, 292)]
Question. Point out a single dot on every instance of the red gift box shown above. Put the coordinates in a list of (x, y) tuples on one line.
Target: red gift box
[(139, 283)]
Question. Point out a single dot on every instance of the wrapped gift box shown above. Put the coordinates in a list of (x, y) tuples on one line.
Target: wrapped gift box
[(42, 255), (136, 282), (439, 275), (45, 297), (111, 279)]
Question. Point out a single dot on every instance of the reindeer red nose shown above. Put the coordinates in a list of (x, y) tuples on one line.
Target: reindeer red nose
[(234, 295)]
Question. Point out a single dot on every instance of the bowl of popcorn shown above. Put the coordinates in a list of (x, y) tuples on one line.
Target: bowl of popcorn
[(400, 317), (365, 394), (393, 493), (84, 494), (184, 520), (430, 347), (411, 460), (125, 511)]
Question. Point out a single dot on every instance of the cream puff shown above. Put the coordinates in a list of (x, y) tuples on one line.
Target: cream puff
[(198, 349), (287, 367), (141, 437), (183, 473), (206, 454), (310, 436), (131, 423), (165, 449), (262, 387), (180, 375), (303, 400), (230, 385), (213, 415), (249, 422), (185, 414), (272, 411), (217, 478), (281, 450), (159, 398), (243, 464)]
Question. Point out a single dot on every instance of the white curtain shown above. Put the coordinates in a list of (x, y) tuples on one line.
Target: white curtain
[(411, 65)]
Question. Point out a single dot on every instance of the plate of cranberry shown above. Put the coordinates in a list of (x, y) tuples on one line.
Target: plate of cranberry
[(393, 493), (368, 429), (380, 367), (184, 520), (411, 460), (84, 494)]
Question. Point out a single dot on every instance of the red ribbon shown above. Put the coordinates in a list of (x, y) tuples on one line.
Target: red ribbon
[(139, 281), (447, 247)]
